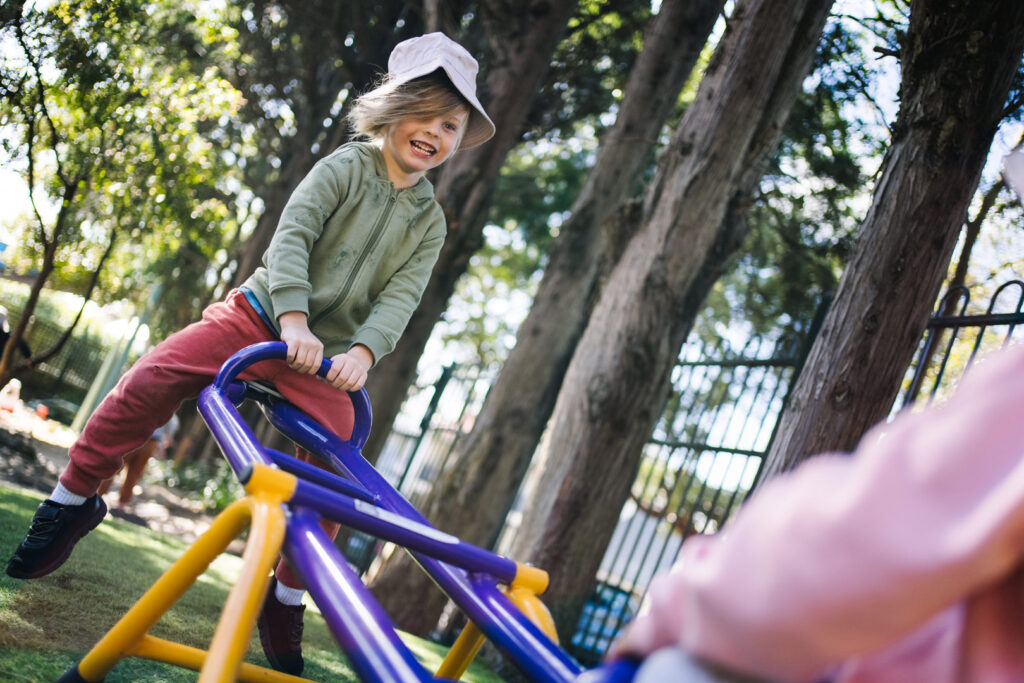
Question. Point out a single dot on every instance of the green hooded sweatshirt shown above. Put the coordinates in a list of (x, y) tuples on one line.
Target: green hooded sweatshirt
[(351, 252)]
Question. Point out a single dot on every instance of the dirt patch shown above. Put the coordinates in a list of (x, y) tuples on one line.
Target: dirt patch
[(22, 464)]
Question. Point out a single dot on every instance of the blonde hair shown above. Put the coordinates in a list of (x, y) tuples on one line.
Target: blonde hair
[(421, 98)]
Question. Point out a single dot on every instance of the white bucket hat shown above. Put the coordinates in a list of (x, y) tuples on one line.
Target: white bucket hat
[(426, 54)]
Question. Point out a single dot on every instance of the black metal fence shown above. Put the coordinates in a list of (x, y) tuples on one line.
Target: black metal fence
[(957, 334), (70, 373), (700, 462), (438, 411), (702, 459), (704, 455)]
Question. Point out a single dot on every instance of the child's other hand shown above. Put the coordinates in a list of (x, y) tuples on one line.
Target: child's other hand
[(305, 351), (348, 370)]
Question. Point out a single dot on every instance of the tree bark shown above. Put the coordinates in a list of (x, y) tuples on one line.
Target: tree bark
[(959, 60), (522, 39), (491, 463), (618, 378), (971, 231)]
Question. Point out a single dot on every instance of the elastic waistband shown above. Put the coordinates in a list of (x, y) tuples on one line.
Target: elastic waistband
[(258, 307)]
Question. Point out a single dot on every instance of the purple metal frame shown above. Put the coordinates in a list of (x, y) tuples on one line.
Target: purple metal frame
[(361, 498)]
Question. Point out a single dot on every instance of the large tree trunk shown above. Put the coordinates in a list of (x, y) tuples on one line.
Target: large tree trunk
[(491, 464), (618, 378), (522, 39), (959, 59)]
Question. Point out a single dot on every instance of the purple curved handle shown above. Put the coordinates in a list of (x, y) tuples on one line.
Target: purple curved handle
[(277, 350)]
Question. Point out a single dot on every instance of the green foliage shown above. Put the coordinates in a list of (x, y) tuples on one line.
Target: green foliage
[(297, 65), (212, 483), (541, 178), (811, 199), (113, 121), (589, 68), (538, 185)]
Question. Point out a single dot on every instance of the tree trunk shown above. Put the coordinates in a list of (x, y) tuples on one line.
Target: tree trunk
[(491, 463), (971, 231), (618, 378), (959, 60), (523, 38)]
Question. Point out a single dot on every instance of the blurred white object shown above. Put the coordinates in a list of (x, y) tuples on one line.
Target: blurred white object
[(10, 396), (1013, 171)]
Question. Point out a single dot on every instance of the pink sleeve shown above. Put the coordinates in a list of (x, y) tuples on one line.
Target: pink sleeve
[(846, 554)]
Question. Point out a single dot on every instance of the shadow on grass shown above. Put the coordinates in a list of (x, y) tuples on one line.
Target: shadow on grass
[(48, 624)]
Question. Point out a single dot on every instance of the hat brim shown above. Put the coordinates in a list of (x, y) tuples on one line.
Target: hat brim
[(480, 128)]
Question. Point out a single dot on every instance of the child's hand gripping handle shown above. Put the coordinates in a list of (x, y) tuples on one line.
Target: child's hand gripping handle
[(276, 350), (250, 355)]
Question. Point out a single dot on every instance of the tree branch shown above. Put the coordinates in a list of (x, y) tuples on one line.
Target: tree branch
[(55, 349)]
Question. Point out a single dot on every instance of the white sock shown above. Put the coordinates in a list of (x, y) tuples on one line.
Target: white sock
[(64, 497), (288, 596)]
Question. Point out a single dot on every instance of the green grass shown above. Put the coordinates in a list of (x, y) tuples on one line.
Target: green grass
[(48, 624)]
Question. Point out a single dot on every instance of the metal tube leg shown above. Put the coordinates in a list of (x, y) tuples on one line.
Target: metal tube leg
[(231, 639), (165, 592), (359, 624), (461, 654)]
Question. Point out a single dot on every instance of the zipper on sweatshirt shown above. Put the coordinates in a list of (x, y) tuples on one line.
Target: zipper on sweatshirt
[(371, 244)]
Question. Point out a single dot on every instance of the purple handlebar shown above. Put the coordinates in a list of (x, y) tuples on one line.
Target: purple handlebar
[(278, 350), (272, 350)]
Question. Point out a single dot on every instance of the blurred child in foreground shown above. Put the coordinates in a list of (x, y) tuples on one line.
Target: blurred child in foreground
[(903, 562)]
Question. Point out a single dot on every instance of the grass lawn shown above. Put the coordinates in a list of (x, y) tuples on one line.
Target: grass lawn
[(48, 624)]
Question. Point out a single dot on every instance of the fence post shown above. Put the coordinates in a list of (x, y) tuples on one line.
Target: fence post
[(428, 415)]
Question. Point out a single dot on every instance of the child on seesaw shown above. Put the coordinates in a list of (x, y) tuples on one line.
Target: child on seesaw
[(348, 263)]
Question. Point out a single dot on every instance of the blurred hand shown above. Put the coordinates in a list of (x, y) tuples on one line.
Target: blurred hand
[(305, 351)]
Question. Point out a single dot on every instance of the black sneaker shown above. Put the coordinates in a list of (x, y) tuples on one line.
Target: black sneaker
[(280, 628), (55, 530)]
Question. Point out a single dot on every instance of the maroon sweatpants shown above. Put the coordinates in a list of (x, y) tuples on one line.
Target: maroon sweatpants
[(178, 369), (134, 467)]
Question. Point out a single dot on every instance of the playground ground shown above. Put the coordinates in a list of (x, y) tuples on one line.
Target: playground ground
[(33, 451), (48, 624)]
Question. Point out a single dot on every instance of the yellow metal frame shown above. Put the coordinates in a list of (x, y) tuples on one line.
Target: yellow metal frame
[(523, 591), (261, 510)]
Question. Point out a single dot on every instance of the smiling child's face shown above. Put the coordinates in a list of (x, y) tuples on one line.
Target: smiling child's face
[(413, 146)]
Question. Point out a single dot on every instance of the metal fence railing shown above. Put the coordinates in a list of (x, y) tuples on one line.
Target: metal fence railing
[(701, 460), (69, 374), (438, 411), (699, 464), (957, 334)]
